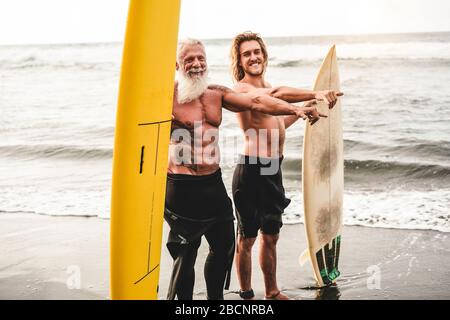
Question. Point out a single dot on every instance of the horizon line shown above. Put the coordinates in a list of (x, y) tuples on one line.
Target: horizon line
[(226, 38)]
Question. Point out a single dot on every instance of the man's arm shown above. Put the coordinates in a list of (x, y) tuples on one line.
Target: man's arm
[(308, 108), (255, 101), (293, 95)]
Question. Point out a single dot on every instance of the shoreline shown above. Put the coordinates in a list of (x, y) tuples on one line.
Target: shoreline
[(286, 222), (41, 255)]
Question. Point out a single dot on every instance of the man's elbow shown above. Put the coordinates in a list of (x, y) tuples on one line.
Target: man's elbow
[(256, 104), (278, 92)]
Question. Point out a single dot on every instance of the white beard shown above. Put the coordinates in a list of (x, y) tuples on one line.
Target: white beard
[(190, 88)]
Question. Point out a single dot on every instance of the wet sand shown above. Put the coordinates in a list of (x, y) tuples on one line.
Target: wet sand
[(40, 256)]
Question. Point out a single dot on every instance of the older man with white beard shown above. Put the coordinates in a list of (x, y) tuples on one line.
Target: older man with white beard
[(197, 203)]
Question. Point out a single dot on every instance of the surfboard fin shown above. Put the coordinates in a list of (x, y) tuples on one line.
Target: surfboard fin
[(304, 257)]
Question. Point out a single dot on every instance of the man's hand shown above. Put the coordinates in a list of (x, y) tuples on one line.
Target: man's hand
[(329, 96), (309, 112)]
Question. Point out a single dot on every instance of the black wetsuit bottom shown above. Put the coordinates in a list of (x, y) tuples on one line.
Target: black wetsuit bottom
[(220, 237), (199, 206)]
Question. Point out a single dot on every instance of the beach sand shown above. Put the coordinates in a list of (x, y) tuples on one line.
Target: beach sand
[(41, 254)]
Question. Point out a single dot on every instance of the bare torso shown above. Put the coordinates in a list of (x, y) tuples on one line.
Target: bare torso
[(264, 133), (200, 119)]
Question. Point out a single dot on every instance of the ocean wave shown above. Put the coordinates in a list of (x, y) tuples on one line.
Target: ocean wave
[(356, 62), (382, 223), (59, 214), (395, 169), (33, 62), (424, 151), (103, 132), (364, 62), (375, 170), (430, 156), (405, 147), (55, 151), (404, 101), (397, 209), (385, 208)]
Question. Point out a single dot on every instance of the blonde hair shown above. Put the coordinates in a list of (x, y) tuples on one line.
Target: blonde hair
[(237, 71)]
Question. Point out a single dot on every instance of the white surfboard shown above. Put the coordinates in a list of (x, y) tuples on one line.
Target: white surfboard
[(323, 179)]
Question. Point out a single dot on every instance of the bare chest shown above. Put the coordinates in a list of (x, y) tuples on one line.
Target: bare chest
[(206, 109)]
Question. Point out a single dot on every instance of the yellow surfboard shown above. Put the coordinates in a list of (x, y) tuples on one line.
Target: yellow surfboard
[(142, 136), (323, 179)]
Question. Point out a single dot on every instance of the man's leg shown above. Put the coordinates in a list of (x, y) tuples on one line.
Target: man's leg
[(220, 258), (268, 263), (244, 262), (183, 274), (245, 200)]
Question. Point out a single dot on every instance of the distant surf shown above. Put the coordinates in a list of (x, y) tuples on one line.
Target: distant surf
[(58, 105)]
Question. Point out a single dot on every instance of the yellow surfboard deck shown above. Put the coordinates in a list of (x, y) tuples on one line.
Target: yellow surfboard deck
[(323, 179), (140, 158)]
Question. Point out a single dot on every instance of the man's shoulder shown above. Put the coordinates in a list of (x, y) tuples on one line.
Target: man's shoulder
[(218, 87), (267, 84), (243, 87)]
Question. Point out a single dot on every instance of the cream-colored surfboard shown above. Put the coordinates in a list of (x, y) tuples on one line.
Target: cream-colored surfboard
[(323, 179), (142, 135)]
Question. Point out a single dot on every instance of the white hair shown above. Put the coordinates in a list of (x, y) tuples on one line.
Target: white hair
[(188, 42), (189, 88)]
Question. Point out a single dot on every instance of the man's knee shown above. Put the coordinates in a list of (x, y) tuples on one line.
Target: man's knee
[(226, 250), (270, 239), (179, 246), (246, 243)]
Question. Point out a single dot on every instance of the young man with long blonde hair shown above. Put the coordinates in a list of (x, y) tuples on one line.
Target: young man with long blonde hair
[(258, 192)]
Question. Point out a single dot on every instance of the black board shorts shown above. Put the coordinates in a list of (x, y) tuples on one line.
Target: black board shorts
[(259, 198)]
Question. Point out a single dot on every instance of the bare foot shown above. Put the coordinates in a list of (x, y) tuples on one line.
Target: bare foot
[(277, 296)]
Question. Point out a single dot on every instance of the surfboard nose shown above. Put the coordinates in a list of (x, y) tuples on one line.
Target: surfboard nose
[(332, 51)]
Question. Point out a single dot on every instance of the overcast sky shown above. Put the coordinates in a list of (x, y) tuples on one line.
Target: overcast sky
[(73, 21)]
